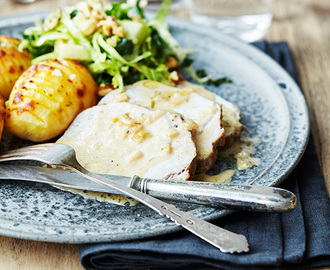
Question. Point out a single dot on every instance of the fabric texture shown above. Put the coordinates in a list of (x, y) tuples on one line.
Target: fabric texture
[(298, 238)]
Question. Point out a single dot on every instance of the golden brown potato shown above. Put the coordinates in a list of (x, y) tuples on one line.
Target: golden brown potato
[(47, 97), (12, 64), (2, 115)]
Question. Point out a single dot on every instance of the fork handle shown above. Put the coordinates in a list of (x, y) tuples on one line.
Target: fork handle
[(225, 240)]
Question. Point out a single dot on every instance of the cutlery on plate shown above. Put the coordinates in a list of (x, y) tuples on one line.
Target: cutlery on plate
[(64, 155), (230, 196)]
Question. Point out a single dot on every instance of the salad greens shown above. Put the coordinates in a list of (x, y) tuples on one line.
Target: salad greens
[(115, 42)]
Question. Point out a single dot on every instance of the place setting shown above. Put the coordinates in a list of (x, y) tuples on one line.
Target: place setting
[(148, 141)]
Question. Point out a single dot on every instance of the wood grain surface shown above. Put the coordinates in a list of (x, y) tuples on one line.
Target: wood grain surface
[(304, 24)]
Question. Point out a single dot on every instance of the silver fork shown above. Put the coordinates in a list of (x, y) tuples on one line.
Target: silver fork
[(64, 155)]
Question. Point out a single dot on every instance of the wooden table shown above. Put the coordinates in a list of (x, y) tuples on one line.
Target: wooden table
[(304, 24)]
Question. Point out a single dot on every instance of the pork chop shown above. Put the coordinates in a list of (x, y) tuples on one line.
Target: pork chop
[(199, 112), (127, 139)]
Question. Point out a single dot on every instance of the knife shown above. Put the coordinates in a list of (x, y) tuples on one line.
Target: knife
[(230, 196)]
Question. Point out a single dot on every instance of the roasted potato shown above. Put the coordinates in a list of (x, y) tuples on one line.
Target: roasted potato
[(47, 97), (12, 64), (2, 115)]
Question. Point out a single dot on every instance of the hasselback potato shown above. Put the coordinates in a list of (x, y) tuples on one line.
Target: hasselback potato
[(47, 97), (12, 64), (2, 114)]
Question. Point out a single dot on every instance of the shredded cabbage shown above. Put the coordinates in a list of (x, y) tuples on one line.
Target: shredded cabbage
[(115, 42)]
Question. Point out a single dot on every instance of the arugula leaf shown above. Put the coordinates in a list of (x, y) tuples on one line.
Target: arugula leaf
[(187, 62), (132, 76), (158, 44), (118, 11), (201, 73), (103, 78), (29, 37), (139, 10), (38, 51), (73, 14), (125, 46), (219, 81)]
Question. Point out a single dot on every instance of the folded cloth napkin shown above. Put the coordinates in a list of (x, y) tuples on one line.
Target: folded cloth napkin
[(299, 238)]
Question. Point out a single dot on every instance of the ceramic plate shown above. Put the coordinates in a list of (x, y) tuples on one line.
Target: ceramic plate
[(273, 110)]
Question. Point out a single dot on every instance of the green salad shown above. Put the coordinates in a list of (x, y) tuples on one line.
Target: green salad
[(115, 42)]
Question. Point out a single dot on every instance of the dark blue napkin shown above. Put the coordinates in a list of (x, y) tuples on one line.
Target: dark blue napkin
[(299, 238)]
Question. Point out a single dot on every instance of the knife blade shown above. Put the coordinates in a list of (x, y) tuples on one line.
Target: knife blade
[(230, 196)]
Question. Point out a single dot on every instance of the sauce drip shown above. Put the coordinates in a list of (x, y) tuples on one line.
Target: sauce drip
[(102, 197), (242, 152), (223, 177), (99, 196)]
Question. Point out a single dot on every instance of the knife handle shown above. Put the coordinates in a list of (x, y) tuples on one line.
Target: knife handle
[(247, 197), (229, 196)]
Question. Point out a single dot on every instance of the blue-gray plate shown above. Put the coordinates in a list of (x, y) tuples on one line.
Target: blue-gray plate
[(273, 110)]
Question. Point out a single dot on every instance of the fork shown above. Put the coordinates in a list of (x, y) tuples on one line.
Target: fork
[(64, 155)]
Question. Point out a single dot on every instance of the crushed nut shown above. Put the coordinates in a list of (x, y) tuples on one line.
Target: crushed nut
[(189, 125), (52, 20), (86, 25), (135, 156), (166, 148), (171, 63), (172, 133)]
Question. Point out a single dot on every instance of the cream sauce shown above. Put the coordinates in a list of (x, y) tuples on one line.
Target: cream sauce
[(243, 151), (223, 177), (94, 195), (109, 141), (101, 197), (202, 115)]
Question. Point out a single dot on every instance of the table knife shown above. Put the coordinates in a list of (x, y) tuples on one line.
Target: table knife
[(229, 196)]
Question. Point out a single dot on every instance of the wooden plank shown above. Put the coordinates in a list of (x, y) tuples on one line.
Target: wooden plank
[(304, 25), (33, 255)]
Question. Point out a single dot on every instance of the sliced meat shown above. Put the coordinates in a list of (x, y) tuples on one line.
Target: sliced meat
[(231, 114), (127, 139), (199, 113)]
